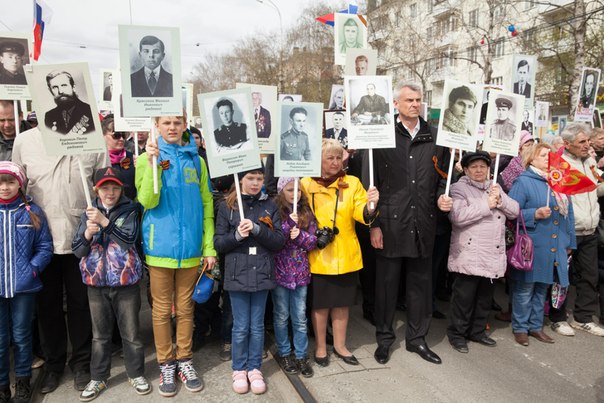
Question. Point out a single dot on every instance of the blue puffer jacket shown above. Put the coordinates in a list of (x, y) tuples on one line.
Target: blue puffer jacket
[(178, 223), (249, 262), (24, 251)]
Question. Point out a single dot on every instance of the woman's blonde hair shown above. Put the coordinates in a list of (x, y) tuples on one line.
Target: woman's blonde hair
[(529, 154), (332, 145)]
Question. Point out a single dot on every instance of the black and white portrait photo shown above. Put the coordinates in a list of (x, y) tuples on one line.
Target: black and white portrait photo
[(229, 134), (335, 127), (150, 65), (527, 121), (64, 102), (264, 103), (360, 62), (504, 122), (588, 92), (336, 99), (460, 112), (524, 68), (107, 86), (13, 56), (295, 145), (368, 103), (350, 32)]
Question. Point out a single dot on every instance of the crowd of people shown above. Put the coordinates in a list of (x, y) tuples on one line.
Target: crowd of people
[(291, 256)]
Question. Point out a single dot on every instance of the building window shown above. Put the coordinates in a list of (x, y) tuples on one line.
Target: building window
[(497, 80), (447, 24), (473, 18), (473, 53), (428, 97), (413, 10), (499, 47)]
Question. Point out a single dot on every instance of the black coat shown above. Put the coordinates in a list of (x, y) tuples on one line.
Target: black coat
[(409, 187), (248, 264), (140, 88), (81, 114)]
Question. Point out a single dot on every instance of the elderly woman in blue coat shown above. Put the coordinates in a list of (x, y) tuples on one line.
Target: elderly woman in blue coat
[(552, 229)]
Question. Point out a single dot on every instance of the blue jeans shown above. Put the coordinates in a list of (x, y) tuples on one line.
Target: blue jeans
[(528, 300), (248, 329), (290, 303), (16, 316), (106, 305)]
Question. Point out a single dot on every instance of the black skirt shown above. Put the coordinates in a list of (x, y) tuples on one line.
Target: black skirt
[(333, 291)]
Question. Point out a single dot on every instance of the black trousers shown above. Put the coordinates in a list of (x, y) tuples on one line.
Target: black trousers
[(63, 271), (440, 257), (583, 272), (418, 272), (470, 306)]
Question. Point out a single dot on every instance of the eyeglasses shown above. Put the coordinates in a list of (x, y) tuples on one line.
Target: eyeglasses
[(119, 135)]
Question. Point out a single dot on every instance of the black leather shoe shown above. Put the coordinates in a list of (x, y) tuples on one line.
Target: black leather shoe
[(50, 382), (350, 360), (484, 340), (460, 345), (80, 380), (322, 361), (382, 355), (424, 352)]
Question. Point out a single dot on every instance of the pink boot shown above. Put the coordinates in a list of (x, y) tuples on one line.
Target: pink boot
[(257, 383), (240, 384)]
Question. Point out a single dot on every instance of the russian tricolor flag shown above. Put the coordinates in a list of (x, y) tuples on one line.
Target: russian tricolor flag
[(328, 18), (42, 14)]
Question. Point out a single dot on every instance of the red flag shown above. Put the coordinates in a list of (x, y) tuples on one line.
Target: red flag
[(42, 14), (562, 178)]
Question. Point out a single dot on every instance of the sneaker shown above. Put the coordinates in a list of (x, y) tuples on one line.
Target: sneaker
[(167, 384), (225, 354), (257, 384), (240, 384), (188, 376), (141, 385), (287, 364), (22, 390), (304, 367), (589, 327), (92, 390), (5, 393), (563, 328)]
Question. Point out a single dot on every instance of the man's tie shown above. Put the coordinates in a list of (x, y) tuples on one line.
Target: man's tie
[(152, 82)]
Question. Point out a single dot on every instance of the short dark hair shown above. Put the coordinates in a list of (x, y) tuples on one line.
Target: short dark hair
[(56, 73), (361, 58), (224, 102), (462, 92), (107, 124), (523, 63), (151, 40), (8, 102), (297, 110)]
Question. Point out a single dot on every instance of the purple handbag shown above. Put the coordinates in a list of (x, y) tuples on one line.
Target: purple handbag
[(520, 255)]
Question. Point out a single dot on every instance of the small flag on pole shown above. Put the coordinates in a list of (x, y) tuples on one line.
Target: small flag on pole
[(42, 14), (562, 178)]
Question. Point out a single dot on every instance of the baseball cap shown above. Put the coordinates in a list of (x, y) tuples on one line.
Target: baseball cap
[(105, 175)]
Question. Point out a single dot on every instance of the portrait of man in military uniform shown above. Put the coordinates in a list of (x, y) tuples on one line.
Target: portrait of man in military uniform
[(72, 115), (503, 128), (230, 135), (12, 54), (294, 142)]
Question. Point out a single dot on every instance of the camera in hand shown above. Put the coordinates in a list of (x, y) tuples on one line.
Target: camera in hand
[(325, 235)]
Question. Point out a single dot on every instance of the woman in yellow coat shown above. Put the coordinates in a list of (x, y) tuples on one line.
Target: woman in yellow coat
[(337, 200)]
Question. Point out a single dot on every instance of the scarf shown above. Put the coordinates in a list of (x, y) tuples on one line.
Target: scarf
[(326, 182), (561, 198), (116, 156)]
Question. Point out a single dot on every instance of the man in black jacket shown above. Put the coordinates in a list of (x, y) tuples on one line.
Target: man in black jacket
[(408, 178)]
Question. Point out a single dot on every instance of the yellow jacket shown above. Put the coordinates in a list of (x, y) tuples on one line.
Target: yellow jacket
[(343, 254)]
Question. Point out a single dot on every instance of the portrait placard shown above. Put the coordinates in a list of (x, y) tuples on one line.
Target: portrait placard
[(524, 69), (229, 131), (187, 101), (334, 123), (458, 125), (350, 32), (64, 102), (504, 119), (298, 150), (150, 70), (528, 121), (336, 99), (264, 101), (360, 62), (542, 114), (14, 54), (121, 123), (588, 91), (106, 89), (369, 112), (597, 121), (290, 97)]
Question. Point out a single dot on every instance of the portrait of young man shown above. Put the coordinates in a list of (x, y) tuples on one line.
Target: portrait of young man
[(151, 80)]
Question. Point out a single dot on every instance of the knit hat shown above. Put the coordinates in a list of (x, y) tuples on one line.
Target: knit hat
[(525, 136), (14, 169), (283, 181)]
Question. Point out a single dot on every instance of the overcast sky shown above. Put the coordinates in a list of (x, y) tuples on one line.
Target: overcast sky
[(86, 30)]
